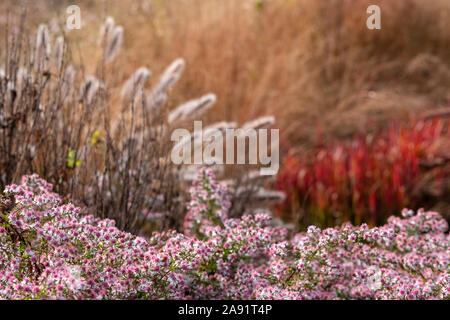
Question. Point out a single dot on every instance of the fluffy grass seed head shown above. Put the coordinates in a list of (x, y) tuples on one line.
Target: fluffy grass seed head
[(192, 108)]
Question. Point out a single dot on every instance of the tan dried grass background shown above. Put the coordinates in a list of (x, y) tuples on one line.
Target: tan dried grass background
[(311, 63)]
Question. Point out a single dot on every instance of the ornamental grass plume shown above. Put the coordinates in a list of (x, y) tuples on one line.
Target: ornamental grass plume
[(23, 80), (43, 48), (134, 84), (51, 250), (158, 96), (68, 82), (192, 108), (114, 45), (89, 89), (58, 54), (259, 123), (170, 76), (106, 31), (154, 103), (206, 133), (222, 125)]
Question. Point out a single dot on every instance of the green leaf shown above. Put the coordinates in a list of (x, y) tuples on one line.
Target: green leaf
[(71, 159), (95, 137)]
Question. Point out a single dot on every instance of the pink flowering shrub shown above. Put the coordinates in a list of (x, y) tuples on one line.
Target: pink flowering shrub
[(49, 250)]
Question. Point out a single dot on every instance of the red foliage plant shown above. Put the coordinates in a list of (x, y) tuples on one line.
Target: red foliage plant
[(364, 180)]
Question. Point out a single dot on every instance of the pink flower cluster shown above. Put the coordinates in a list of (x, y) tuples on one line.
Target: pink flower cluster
[(50, 250)]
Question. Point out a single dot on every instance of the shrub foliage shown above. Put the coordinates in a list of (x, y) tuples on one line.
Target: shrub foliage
[(49, 249)]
